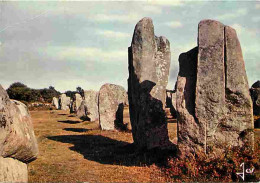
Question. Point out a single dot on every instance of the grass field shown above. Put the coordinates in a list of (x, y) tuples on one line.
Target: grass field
[(72, 150), (76, 151)]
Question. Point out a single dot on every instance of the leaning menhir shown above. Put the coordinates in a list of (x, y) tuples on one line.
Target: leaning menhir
[(149, 61), (18, 145), (213, 102)]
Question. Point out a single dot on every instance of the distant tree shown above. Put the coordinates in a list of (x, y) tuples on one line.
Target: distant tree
[(80, 91), (48, 94), (20, 91), (17, 84), (51, 88), (70, 93)]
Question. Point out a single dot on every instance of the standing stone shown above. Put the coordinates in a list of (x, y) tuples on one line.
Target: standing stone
[(75, 103), (214, 106), (111, 102), (17, 139), (210, 87), (171, 102), (237, 129), (18, 144), (78, 101), (55, 102), (255, 96), (12, 170), (149, 62), (190, 132), (88, 108), (64, 102)]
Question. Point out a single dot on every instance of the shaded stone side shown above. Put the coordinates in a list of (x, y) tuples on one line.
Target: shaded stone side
[(12, 170), (149, 62), (191, 134), (255, 96)]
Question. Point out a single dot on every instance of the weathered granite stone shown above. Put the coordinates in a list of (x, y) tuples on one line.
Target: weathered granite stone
[(55, 102), (75, 103), (17, 139), (64, 102), (12, 170), (78, 101), (210, 87), (255, 96), (190, 133), (236, 129), (149, 62), (214, 106), (171, 102), (111, 102), (88, 108)]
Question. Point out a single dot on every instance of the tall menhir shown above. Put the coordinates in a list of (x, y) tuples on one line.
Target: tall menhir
[(149, 62)]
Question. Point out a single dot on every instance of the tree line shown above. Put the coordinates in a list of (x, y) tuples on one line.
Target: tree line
[(21, 92)]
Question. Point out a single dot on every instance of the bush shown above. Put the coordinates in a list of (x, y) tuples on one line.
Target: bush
[(218, 169)]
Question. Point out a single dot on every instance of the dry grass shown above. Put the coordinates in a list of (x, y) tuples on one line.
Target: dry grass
[(76, 151)]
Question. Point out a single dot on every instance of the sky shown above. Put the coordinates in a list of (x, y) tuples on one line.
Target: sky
[(69, 44)]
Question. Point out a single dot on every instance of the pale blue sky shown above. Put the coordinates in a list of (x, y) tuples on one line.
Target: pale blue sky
[(70, 44)]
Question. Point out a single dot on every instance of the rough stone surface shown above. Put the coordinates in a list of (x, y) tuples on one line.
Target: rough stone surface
[(255, 96), (64, 102), (236, 128), (88, 108), (111, 102), (171, 97), (149, 62), (17, 139), (12, 170), (78, 100), (75, 103), (190, 132), (55, 102), (214, 106)]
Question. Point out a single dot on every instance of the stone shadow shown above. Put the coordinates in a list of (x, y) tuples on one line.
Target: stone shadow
[(76, 129), (105, 150), (69, 121), (119, 124)]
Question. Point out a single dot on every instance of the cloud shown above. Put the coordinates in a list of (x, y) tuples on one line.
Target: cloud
[(113, 34), (174, 24), (123, 18), (152, 9), (85, 54), (256, 19), (236, 14), (238, 28), (166, 2)]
